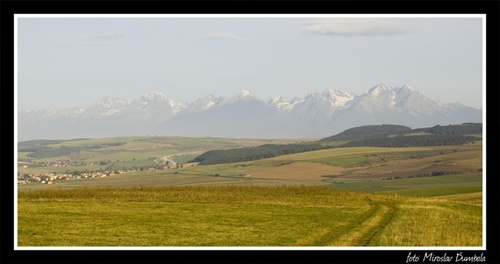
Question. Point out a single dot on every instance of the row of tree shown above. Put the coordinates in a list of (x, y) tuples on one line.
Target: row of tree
[(269, 150), (380, 131), (364, 132), (413, 141), (463, 129), (254, 153)]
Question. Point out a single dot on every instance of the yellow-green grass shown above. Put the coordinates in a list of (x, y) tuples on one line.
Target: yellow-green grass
[(446, 190), (359, 169), (241, 216), (432, 223), (420, 187), (475, 198), (137, 179), (297, 171), (457, 158), (417, 134), (339, 152)]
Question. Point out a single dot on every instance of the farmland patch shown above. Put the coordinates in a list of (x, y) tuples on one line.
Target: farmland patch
[(298, 171)]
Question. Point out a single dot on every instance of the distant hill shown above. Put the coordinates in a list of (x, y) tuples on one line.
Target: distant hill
[(372, 136), (383, 131), (365, 132), (463, 129), (412, 141)]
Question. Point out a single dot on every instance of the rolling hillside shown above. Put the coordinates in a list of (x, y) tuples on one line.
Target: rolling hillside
[(369, 136)]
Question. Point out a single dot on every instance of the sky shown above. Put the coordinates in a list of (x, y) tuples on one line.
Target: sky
[(67, 61)]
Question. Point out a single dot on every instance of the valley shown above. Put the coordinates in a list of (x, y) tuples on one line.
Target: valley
[(335, 196)]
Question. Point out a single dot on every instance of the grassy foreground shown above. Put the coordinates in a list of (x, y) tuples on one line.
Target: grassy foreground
[(242, 216)]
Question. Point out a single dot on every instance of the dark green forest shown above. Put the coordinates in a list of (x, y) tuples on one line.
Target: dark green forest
[(364, 132), (365, 136), (254, 153), (463, 129), (412, 141)]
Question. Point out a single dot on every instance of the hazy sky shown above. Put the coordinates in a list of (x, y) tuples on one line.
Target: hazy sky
[(69, 61)]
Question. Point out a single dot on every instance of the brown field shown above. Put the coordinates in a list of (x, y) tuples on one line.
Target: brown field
[(379, 163), (464, 159), (334, 166), (393, 171), (298, 171)]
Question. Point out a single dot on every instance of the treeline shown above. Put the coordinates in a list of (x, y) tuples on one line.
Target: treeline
[(372, 131), (369, 136), (254, 153), (381, 131), (463, 129), (413, 141)]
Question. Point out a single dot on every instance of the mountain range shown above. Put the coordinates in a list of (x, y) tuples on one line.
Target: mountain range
[(318, 114)]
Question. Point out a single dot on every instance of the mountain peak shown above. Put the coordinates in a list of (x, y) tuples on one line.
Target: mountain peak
[(379, 88), (108, 102), (243, 93), (205, 103), (338, 93), (407, 87), (155, 95), (309, 116)]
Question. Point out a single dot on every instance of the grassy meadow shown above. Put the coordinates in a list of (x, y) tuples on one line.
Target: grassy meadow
[(357, 196), (254, 216)]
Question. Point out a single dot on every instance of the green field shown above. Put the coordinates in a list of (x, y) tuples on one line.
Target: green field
[(359, 196), (241, 216), (132, 152)]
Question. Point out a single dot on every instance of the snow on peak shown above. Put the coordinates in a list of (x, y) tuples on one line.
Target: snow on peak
[(276, 100), (337, 98), (155, 96), (109, 102), (205, 103), (334, 94), (407, 87), (377, 89), (280, 103), (243, 93)]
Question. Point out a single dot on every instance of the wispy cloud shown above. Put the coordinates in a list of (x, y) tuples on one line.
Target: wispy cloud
[(106, 36), (223, 36), (353, 27)]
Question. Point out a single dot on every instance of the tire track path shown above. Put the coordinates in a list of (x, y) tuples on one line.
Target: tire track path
[(358, 234), (362, 233)]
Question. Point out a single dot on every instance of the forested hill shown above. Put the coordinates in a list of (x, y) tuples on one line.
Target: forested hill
[(463, 129), (382, 131), (366, 132), (373, 136), (254, 153), (412, 141)]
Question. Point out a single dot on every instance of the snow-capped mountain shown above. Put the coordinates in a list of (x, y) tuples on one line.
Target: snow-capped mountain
[(402, 105), (204, 104), (322, 105), (105, 107), (318, 114), (152, 107)]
